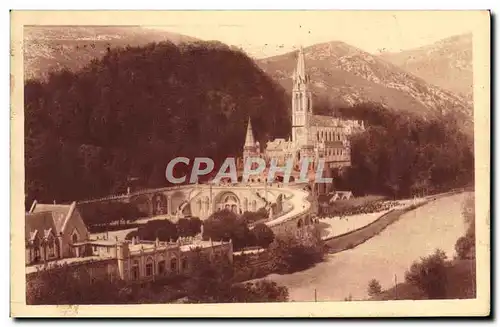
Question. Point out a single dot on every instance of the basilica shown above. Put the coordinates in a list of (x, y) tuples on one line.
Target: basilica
[(313, 136)]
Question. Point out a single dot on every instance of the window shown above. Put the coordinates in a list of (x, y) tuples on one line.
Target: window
[(51, 249), (161, 267), (149, 266), (135, 270), (173, 264), (74, 238), (184, 264)]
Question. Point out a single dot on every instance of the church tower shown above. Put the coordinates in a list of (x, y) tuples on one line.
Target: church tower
[(251, 148), (301, 103)]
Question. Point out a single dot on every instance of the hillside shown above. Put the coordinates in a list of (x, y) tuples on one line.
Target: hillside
[(343, 75), (446, 63), (52, 48), (129, 113)]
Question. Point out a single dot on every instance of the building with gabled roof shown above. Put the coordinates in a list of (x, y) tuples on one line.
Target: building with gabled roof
[(54, 231)]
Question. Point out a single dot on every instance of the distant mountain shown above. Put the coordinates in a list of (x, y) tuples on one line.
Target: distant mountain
[(53, 48), (446, 63), (342, 75)]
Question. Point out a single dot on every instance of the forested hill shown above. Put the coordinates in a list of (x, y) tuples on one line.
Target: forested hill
[(127, 114)]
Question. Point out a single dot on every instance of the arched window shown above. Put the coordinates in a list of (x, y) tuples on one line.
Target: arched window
[(74, 237), (51, 248), (149, 266), (299, 223), (254, 205)]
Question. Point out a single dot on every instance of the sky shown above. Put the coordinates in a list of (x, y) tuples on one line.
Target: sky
[(267, 33)]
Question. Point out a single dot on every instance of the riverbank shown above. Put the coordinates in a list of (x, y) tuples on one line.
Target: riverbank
[(385, 256)]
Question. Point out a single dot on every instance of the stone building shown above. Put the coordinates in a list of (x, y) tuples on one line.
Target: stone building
[(141, 260)]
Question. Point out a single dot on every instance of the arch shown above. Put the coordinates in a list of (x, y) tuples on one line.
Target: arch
[(143, 203), (176, 200), (300, 223), (75, 236), (227, 200), (254, 205), (159, 204)]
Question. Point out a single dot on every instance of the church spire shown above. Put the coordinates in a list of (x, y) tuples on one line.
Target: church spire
[(249, 138), (300, 77)]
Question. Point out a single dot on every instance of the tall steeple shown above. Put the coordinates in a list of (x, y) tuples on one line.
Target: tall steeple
[(249, 138), (251, 148), (300, 78), (301, 103)]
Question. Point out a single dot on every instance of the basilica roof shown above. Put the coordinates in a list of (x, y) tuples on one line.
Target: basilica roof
[(279, 144), (324, 121)]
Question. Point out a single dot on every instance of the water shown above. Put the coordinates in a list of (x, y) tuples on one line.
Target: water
[(417, 233)]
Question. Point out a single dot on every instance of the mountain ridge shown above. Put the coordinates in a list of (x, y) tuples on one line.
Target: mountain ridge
[(343, 75), (446, 63), (52, 48)]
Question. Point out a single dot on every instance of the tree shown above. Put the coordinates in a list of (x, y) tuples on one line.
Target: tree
[(465, 247), (164, 230), (429, 275), (374, 287), (195, 225), (184, 227), (291, 254), (263, 235), (225, 225)]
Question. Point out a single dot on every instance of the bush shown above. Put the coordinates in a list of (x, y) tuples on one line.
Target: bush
[(429, 275), (263, 235)]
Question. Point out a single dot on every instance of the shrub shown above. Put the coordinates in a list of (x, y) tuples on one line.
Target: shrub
[(429, 275)]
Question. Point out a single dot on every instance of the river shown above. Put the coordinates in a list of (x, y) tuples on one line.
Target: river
[(385, 257)]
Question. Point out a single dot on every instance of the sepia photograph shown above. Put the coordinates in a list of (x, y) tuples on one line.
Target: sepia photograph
[(268, 163)]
